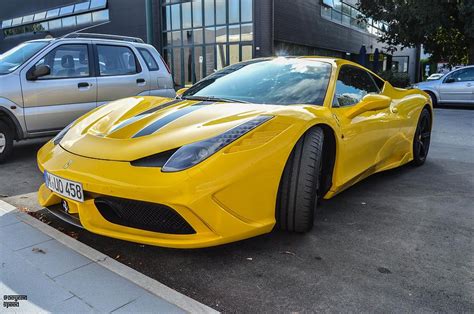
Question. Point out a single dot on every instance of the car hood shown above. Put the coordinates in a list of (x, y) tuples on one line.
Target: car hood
[(426, 84), (137, 127)]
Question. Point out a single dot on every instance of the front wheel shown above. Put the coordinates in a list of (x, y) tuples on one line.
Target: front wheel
[(422, 140), (6, 141), (298, 192), (434, 99)]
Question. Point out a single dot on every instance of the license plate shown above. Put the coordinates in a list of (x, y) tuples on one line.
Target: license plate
[(63, 187)]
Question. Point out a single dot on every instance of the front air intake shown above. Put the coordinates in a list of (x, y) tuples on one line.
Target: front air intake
[(142, 215)]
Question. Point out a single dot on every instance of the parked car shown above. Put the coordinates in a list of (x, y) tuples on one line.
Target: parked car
[(435, 76), (253, 146), (456, 87), (46, 84)]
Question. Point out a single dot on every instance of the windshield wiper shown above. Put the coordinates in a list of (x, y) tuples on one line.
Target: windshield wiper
[(210, 98)]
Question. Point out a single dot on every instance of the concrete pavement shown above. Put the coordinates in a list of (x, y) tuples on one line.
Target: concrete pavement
[(43, 270)]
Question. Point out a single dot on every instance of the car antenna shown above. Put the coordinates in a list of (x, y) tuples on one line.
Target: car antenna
[(83, 29)]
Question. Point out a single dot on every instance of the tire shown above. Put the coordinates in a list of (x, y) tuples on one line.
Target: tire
[(434, 100), (6, 141), (298, 192), (422, 139)]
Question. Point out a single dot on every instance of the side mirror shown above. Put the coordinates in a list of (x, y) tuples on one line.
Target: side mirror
[(180, 92), (450, 80), (370, 102), (38, 71)]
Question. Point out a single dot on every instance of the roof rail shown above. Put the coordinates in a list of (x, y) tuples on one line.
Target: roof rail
[(104, 36)]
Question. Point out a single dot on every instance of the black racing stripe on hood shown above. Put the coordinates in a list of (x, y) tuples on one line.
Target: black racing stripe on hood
[(163, 106), (141, 115), (205, 103), (160, 123)]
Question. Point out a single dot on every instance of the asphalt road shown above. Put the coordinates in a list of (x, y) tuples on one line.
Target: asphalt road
[(401, 241)]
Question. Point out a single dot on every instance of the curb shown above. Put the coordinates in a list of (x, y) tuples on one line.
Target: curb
[(151, 285)]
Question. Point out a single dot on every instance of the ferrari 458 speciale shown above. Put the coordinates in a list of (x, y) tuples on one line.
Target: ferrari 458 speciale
[(247, 149)]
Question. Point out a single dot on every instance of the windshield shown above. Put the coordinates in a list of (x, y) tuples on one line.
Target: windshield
[(280, 81), (13, 58)]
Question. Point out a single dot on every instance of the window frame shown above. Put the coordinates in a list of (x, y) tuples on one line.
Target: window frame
[(89, 54), (466, 69), (142, 50), (337, 77), (96, 60), (455, 74)]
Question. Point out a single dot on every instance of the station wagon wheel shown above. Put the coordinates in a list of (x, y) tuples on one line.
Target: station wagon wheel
[(6, 141), (421, 143), (434, 100)]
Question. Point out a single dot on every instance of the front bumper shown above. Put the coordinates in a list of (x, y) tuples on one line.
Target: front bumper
[(223, 202)]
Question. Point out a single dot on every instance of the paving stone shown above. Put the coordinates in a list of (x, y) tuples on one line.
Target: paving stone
[(99, 287), (53, 258), (21, 235), (7, 219), (72, 305), (149, 304), (17, 276)]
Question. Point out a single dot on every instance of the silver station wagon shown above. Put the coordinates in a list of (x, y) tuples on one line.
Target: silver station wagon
[(46, 84), (455, 87)]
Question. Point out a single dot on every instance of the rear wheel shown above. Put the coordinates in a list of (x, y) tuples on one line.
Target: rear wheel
[(299, 185), (422, 140), (6, 141)]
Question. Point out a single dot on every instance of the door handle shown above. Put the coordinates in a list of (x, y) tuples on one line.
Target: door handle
[(469, 84), (83, 85), (140, 81)]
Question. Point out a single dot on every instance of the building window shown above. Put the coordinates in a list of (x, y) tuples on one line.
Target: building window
[(69, 21), (344, 13), (29, 23), (64, 10), (84, 19), (100, 16), (80, 7), (201, 36), (400, 64)]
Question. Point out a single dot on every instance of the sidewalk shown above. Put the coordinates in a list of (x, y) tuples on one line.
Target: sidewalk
[(57, 273)]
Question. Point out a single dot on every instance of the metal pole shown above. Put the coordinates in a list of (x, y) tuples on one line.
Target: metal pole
[(149, 21)]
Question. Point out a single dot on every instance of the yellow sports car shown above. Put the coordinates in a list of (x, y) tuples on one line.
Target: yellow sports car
[(250, 147)]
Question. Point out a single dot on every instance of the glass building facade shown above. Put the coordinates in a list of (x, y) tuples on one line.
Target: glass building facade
[(81, 14), (201, 36)]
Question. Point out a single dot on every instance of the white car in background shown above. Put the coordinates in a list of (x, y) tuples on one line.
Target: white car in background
[(435, 76)]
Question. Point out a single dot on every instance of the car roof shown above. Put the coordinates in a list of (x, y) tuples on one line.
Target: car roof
[(87, 39)]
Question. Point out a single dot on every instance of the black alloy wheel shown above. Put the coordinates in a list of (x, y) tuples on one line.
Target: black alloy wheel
[(422, 140)]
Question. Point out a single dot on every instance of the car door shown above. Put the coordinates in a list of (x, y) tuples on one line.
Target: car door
[(364, 135), (120, 74), (458, 87), (53, 101)]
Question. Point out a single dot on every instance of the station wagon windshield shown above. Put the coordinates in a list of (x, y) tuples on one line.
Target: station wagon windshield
[(15, 57), (280, 81)]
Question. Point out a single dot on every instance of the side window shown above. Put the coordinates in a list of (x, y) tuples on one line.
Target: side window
[(465, 75), (149, 60), (66, 61), (453, 75), (116, 60), (352, 85)]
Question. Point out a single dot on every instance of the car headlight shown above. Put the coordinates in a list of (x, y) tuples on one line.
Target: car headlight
[(190, 155), (57, 139)]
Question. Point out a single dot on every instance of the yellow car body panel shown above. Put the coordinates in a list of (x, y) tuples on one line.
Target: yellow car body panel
[(231, 195)]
